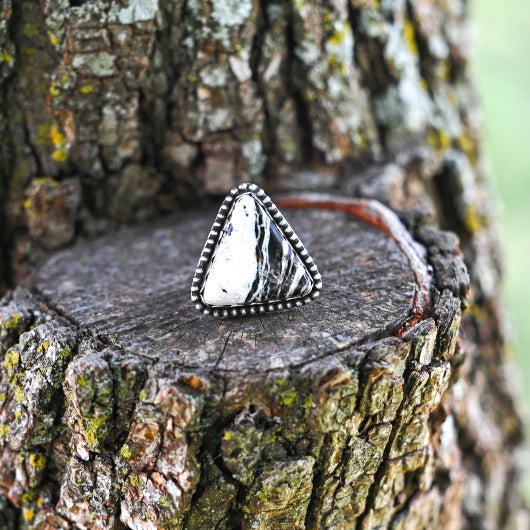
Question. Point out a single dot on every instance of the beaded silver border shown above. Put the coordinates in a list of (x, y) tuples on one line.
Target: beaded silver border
[(213, 238)]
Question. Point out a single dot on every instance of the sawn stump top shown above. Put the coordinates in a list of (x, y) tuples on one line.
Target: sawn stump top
[(135, 287)]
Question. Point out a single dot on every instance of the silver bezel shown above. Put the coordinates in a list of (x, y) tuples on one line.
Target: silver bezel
[(213, 238)]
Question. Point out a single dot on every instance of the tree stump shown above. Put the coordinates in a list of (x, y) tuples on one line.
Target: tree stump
[(121, 406), (124, 405)]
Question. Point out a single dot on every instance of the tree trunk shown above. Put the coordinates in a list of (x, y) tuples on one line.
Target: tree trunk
[(122, 407)]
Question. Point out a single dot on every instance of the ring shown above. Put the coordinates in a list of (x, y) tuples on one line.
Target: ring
[(252, 262)]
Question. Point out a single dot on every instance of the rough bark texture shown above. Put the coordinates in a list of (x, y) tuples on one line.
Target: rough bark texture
[(120, 405)]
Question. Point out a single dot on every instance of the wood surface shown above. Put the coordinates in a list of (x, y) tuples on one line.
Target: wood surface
[(141, 292)]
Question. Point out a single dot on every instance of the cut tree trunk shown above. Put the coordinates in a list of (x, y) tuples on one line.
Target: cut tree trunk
[(122, 402), (123, 407)]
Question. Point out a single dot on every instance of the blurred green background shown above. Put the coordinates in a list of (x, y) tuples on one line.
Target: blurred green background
[(502, 42)]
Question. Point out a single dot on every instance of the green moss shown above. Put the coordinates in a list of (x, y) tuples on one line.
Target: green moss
[(57, 136), (474, 220), (66, 353), (339, 35), (83, 381), (135, 480), (93, 428), (42, 181), (53, 38), (126, 451), (468, 144), (289, 397), (4, 430), (30, 30), (143, 394), (29, 496), (60, 155), (89, 89), (410, 37), (43, 347), (7, 58), (15, 319), (11, 360), (61, 146), (438, 139), (263, 495), (19, 394), (54, 89), (38, 461)]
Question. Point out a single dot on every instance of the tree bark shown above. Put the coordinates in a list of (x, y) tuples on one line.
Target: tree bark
[(123, 409)]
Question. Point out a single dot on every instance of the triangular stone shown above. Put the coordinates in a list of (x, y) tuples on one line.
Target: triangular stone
[(253, 261)]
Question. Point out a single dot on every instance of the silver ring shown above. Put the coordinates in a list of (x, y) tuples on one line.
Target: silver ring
[(252, 261)]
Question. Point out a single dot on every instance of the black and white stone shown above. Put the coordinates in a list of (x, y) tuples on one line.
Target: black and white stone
[(253, 260)]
